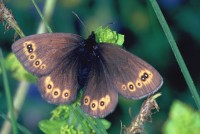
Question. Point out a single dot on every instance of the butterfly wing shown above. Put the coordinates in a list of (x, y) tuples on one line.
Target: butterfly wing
[(60, 86), (132, 77), (41, 53), (52, 57), (100, 98)]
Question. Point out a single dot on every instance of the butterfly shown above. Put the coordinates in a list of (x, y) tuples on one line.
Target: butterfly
[(64, 63)]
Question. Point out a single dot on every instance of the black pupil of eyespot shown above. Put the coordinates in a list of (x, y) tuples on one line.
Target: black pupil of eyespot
[(30, 50), (29, 46), (37, 63), (32, 57), (146, 75), (49, 86), (66, 94), (43, 66), (102, 103), (55, 93), (131, 86), (86, 100), (143, 78), (93, 105)]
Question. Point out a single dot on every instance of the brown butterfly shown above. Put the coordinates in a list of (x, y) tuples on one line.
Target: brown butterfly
[(64, 63)]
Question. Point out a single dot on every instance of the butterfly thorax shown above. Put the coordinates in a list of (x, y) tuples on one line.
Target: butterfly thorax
[(89, 53), (91, 45)]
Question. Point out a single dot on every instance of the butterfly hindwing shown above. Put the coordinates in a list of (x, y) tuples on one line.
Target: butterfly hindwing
[(132, 77), (41, 53), (100, 98), (60, 86)]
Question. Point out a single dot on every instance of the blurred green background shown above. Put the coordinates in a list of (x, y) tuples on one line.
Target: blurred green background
[(143, 37)]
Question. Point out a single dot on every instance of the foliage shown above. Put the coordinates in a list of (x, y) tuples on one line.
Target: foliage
[(18, 70), (65, 119), (182, 120), (106, 35)]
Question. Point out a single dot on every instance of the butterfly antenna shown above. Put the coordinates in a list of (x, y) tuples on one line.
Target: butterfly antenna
[(108, 24), (80, 21)]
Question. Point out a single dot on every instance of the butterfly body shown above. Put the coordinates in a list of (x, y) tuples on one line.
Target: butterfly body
[(64, 63), (88, 53)]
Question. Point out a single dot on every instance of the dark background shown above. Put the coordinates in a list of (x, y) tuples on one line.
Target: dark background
[(143, 37)]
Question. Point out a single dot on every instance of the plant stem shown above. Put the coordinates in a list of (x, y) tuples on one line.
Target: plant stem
[(8, 95), (19, 126), (48, 9), (7, 16), (176, 52), (19, 98)]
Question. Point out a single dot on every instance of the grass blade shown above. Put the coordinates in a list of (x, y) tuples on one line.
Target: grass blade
[(99, 130), (40, 13), (176, 52), (8, 95), (20, 127)]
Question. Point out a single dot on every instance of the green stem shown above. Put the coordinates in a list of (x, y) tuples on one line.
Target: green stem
[(100, 129), (19, 126), (49, 5), (8, 95), (177, 54), (47, 11)]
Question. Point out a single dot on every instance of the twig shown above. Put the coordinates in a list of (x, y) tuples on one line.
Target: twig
[(136, 126)]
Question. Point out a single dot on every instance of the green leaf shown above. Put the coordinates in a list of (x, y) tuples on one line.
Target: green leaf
[(18, 70), (182, 120), (71, 119), (106, 123), (106, 35), (51, 127)]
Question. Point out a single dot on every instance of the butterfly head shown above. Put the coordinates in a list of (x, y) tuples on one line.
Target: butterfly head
[(90, 41)]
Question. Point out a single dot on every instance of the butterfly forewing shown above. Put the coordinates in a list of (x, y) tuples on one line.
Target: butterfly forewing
[(41, 53), (132, 77)]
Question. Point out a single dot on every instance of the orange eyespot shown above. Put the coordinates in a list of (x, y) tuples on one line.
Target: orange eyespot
[(37, 63), (55, 93), (123, 87), (138, 83), (102, 103), (94, 105), (107, 99), (146, 76), (29, 47), (32, 57), (131, 86), (86, 100), (48, 84), (43, 66), (66, 93)]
